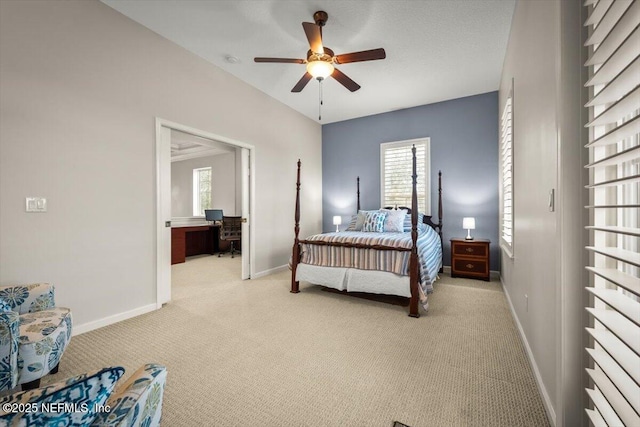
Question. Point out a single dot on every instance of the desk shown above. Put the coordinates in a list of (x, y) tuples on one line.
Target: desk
[(196, 240)]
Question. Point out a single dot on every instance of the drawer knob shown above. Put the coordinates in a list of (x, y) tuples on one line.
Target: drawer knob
[(469, 266), (469, 249)]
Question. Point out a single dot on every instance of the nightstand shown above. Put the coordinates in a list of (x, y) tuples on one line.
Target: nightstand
[(470, 258)]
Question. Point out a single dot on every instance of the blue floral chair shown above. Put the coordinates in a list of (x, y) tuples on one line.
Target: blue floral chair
[(95, 399), (33, 334)]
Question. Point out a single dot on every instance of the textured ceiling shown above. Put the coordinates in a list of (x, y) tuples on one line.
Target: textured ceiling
[(185, 146), (436, 49)]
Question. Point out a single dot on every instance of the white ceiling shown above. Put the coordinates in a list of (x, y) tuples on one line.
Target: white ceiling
[(436, 49), (185, 146)]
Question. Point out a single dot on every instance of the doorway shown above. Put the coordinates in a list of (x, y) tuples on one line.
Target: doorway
[(206, 141)]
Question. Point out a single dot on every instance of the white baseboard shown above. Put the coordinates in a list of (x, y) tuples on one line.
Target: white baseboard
[(494, 274), (551, 414), (271, 271), (110, 320)]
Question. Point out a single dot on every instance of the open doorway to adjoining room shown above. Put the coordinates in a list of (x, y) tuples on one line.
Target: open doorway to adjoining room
[(200, 178)]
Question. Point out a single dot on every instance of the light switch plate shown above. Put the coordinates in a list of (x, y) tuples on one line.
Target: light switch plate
[(36, 204)]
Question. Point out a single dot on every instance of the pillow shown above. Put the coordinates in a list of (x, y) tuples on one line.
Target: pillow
[(374, 222), (352, 223), (395, 220), (85, 393), (357, 220), (421, 225)]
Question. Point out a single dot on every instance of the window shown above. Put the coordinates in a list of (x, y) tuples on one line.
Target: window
[(614, 223), (506, 163), (201, 190), (396, 169)]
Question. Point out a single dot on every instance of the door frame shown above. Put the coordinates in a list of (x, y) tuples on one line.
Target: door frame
[(162, 282)]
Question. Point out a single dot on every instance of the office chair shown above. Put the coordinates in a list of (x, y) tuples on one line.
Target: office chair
[(231, 230)]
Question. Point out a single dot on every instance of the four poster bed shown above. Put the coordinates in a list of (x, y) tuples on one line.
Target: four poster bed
[(402, 259)]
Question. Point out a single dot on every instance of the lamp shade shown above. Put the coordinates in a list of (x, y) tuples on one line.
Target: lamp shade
[(469, 223), (337, 220), (322, 69)]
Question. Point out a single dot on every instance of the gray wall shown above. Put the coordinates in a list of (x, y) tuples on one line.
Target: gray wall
[(464, 135), (224, 184), (544, 280)]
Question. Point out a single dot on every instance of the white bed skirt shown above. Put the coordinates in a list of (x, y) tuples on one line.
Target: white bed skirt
[(354, 280)]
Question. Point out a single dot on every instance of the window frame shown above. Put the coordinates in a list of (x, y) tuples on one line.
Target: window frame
[(506, 246), (198, 209), (426, 141)]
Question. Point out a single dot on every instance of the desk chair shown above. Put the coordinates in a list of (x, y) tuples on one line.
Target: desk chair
[(231, 230)]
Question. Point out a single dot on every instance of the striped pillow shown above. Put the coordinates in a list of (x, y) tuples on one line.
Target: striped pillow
[(352, 223), (421, 225)]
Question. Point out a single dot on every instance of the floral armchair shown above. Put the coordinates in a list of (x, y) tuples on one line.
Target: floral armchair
[(33, 334), (95, 399)]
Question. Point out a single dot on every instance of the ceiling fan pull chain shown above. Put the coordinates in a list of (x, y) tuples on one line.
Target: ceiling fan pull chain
[(320, 96)]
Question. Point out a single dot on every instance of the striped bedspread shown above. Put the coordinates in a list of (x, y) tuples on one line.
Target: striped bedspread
[(429, 253)]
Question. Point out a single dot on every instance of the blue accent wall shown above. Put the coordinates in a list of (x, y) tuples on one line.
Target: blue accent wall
[(464, 146)]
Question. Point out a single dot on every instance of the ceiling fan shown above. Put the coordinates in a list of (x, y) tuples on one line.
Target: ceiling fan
[(320, 59)]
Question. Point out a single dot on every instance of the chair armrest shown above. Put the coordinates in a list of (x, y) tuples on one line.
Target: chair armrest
[(9, 334), (137, 402), (29, 298)]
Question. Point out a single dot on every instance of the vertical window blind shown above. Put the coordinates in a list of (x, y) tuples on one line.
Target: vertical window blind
[(614, 224), (396, 170), (506, 162)]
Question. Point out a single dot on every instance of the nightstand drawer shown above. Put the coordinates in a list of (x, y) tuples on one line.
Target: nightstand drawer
[(470, 249), (470, 266)]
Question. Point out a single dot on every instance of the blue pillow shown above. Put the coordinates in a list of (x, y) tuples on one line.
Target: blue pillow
[(374, 222), (421, 225)]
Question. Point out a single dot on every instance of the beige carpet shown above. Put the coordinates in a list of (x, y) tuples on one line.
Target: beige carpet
[(252, 354)]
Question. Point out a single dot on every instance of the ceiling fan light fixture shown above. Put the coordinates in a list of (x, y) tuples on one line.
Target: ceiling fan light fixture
[(320, 69)]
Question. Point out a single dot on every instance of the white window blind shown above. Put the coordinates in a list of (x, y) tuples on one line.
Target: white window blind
[(614, 223), (396, 170), (506, 162), (201, 190)]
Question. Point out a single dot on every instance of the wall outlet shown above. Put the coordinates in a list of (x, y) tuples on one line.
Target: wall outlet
[(36, 204), (526, 302)]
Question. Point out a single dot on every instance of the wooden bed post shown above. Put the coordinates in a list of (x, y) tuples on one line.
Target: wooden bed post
[(358, 189), (440, 203), (440, 215), (295, 256), (413, 261)]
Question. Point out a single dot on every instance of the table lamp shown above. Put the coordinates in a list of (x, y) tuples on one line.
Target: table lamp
[(469, 223), (337, 220)]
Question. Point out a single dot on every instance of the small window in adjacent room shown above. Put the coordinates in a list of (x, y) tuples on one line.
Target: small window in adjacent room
[(506, 163), (396, 169), (201, 190)]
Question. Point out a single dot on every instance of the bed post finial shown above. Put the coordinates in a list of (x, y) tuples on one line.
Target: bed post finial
[(413, 260), (295, 255), (358, 190)]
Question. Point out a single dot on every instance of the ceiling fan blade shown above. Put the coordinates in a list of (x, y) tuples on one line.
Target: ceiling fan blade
[(314, 35), (302, 83), (344, 80), (365, 55), (284, 60)]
